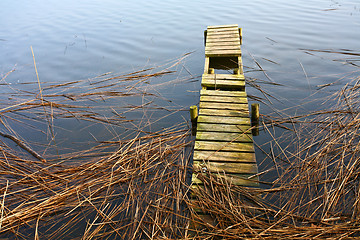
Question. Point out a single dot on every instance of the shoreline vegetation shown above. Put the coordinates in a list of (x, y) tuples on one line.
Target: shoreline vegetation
[(135, 184)]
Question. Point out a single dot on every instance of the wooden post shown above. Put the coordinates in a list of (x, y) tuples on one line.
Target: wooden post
[(236, 71), (205, 34), (240, 32), (193, 117), (255, 115), (206, 67)]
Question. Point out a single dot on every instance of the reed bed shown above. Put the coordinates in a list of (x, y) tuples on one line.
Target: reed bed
[(127, 185), (135, 184), (309, 186)]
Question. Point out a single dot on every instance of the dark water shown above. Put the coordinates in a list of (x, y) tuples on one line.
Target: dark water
[(76, 40), (82, 39)]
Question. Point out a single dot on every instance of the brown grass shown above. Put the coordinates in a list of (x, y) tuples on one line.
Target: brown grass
[(135, 185)]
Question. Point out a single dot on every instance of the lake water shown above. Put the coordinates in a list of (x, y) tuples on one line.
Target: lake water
[(81, 39)]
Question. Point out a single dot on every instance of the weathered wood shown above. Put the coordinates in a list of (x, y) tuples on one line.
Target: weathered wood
[(240, 33), (222, 49), (225, 167), (223, 77), (223, 31), (223, 120), (205, 35), (221, 44), (224, 112), (222, 156), (219, 84), (223, 81), (215, 127), (223, 40), (215, 30), (255, 115), (220, 136), (228, 36), (223, 26), (223, 93), (236, 179), (223, 53), (224, 99), (193, 117), (228, 106), (206, 67), (193, 113), (224, 146)]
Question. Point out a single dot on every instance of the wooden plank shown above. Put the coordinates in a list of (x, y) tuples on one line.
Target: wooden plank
[(236, 179), (227, 106), (214, 127), (223, 120), (223, 26), (223, 84), (224, 99), (223, 40), (222, 47), (229, 37), (212, 32), (205, 92), (223, 35), (223, 53), (206, 67), (223, 76), (224, 112), (220, 136), (224, 156), (221, 44), (225, 167), (223, 146), (217, 30)]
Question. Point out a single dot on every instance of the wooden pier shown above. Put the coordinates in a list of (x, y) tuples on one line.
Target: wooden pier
[(224, 141)]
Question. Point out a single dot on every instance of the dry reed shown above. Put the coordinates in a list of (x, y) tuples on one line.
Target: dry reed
[(139, 188)]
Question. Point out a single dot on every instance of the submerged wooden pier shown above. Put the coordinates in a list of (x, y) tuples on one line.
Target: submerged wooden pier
[(224, 141)]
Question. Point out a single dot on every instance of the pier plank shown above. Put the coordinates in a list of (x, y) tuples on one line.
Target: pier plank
[(205, 92), (224, 146), (220, 136), (225, 167), (220, 30), (228, 106), (236, 179), (224, 112), (223, 53), (223, 26), (221, 156), (231, 128), (224, 120), (224, 99), (224, 77)]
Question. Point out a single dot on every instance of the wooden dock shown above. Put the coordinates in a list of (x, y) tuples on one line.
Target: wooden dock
[(224, 141)]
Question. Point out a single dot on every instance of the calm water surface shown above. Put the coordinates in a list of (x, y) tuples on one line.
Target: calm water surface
[(84, 38), (81, 39)]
